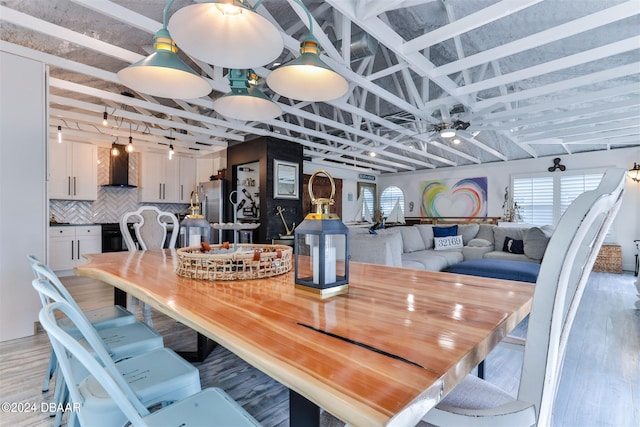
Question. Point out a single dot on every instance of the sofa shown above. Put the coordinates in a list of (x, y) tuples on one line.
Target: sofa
[(415, 246)]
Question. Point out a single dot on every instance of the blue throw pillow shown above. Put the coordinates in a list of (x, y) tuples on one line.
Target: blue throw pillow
[(445, 231), (513, 246)]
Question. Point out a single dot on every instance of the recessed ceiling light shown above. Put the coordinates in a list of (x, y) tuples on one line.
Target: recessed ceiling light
[(456, 141), (372, 154)]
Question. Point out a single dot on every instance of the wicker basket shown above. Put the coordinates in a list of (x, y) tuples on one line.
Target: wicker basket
[(248, 262), (609, 259)]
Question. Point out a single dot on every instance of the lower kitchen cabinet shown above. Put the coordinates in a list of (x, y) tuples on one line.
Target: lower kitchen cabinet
[(68, 243)]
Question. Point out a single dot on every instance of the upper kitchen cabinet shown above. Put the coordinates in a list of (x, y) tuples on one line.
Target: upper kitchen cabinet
[(73, 171), (167, 181)]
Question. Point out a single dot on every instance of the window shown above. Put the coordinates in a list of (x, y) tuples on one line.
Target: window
[(388, 199), (543, 199), (366, 192)]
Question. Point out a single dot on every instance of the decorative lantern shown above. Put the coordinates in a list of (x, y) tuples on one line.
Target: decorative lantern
[(322, 248), (194, 229)]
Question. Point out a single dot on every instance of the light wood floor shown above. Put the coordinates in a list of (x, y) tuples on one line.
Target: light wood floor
[(600, 383)]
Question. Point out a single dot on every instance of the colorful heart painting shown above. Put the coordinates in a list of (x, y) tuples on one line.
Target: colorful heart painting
[(464, 198)]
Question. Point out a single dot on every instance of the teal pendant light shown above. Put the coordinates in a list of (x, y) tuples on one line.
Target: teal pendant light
[(163, 73), (307, 78), (245, 101), (227, 33)]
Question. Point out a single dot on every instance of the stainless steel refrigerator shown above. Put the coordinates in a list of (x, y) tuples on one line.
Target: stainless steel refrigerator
[(212, 196)]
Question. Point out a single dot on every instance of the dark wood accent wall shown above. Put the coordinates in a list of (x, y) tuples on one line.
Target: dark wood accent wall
[(322, 188), (265, 150)]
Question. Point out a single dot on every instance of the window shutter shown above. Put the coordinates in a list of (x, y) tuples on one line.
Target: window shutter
[(574, 185), (534, 197)]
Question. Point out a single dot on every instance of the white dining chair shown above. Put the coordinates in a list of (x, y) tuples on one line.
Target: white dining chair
[(119, 404), (101, 318), (564, 271), (151, 233)]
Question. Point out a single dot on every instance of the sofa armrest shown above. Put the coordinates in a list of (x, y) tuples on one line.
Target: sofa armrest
[(370, 248)]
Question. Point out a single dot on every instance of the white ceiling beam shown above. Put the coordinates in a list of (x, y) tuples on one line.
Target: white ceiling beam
[(634, 114), (470, 22), (483, 107), (601, 52), (385, 35), (559, 32), (387, 71), (516, 113), (603, 139), (623, 128)]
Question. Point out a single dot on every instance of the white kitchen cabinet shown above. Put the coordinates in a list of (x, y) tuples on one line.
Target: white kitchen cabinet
[(167, 181), (68, 243), (187, 178), (73, 171)]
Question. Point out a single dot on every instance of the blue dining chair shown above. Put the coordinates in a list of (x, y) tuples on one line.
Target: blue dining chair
[(564, 271), (122, 341), (101, 318), (157, 375), (121, 405)]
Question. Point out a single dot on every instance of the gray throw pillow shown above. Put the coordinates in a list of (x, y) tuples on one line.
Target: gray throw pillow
[(426, 231), (479, 243), (536, 240)]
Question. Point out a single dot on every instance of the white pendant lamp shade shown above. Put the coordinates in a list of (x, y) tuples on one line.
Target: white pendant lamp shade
[(307, 78), (245, 101), (249, 107), (226, 35), (164, 74)]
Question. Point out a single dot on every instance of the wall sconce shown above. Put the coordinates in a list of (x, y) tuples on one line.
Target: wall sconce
[(634, 172), (322, 248)]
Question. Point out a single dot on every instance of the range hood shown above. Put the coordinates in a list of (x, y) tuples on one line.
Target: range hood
[(119, 169)]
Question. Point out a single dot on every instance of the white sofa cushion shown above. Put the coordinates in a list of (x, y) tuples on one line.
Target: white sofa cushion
[(536, 240), (426, 232), (468, 232), (411, 240)]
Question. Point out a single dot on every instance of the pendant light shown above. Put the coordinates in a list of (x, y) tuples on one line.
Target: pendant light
[(634, 172), (246, 101), (307, 78), (130, 144), (163, 73), (171, 152), (114, 149), (59, 134), (105, 117), (227, 33)]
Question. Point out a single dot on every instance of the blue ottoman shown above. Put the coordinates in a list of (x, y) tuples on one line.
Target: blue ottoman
[(498, 269)]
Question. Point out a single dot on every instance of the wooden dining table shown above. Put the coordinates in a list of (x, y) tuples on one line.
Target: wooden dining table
[(382, 354)]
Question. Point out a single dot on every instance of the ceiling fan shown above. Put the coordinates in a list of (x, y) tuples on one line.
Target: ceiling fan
[(449, 130)]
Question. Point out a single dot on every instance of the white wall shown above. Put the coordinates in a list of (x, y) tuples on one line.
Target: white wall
[(625, 229), (23, 207)]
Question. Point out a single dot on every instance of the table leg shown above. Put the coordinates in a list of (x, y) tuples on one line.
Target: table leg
[(302, 412), (119, 297), (205, 345), (481, 370)]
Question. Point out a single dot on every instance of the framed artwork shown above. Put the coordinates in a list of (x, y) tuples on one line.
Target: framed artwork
[(454, 198), (285, 180)]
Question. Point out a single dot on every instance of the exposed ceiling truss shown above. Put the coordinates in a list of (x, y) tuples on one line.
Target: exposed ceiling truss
[(528, 78)]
